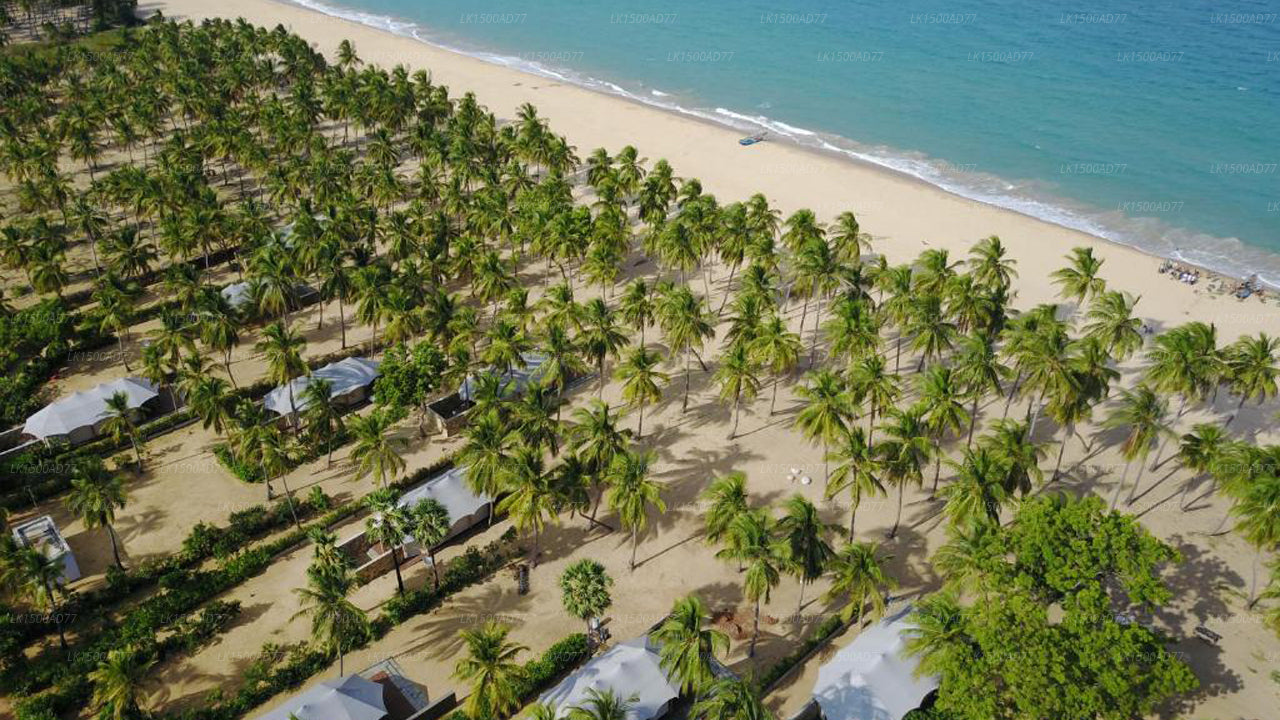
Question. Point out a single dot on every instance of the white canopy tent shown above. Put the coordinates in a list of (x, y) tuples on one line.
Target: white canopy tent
[(347, 379), (78, 415), (516, 379), (872, 678), (465, 507), (628, 668), (347, 698), (238, 294)]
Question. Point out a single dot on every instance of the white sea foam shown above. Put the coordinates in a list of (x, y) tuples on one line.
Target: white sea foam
[(1227, 255)]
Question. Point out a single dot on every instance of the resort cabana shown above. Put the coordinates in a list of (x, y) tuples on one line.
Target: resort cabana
[(42, 535), (347, 698), (629, 668), (349, 380), (872, 678), (466, 508), (449, 412), (79, 417), (237, 295)]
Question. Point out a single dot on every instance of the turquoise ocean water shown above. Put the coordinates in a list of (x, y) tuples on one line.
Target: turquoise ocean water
[(1152, 123)]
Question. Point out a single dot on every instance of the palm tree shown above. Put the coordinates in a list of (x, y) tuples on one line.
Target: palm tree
[(1010, 441), (687, 323), (942, 399), (120, 425), (979, 372), (749, 539), (731, 698), (857, 470), (531, 501), (603, 705), (1186, 360), (562, 362), (776, 349), (687, 647), (1142, 415), (737, 379), (585, 587), (429, 524), (871, 384), (978, 492), (1079, 280), (491, 668), (637, 307), (632, 494), (1111, 321), (642, 381), (95, 496), (387, 525), (939, 636), (324, 422), (726, 498), (375, 450), (117, 683), (600, 336), (904, 453), (1201, 450), (282, 346), (40, 578), (824, 418), (1259, 523), (1252, 369), (858, 573), (337, 624), (803, 534), (212, 401)]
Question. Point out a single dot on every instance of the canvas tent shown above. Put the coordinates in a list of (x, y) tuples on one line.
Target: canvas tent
[(628, 668), (450, 489), (349, 380), (516, 379), (872, 678), (237, 294), (347, 698), (78, 416)]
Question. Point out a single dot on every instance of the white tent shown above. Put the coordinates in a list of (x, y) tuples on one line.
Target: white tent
[(77, 415), (237, 294), (348, 698), (347, 379), (450, 489), (628, 668), (872, 678), (516, 379)]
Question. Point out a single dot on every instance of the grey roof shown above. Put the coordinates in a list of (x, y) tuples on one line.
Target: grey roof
[(344, 376), (629, 668), (88, 408), (348, 698), (238, 294), (517, 379), (872, 678), (451, 491)]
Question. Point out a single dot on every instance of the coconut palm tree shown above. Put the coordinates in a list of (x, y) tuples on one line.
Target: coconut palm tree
[(490, 667), (282, 348), (824, 418), (942, 398), (642, 381), (324, 422), (601, 336), (1142, 416), (940, 635), (337, 624), (978, 492), (1186, 360), (687, 646), (687, 323), (731, 698), (375, 451), (1259, 522), (726, 498), (633, 494), (212, 401), (873, 386), (1079, 280), (1111, 321), (585, 588), (1201, 450), (989, 265), (603, 705), (562, 360), (736, 376), (749, 539), (1252, 369), (637, 307), (857, 470), (530, 501), (858, 573), (904, 453), (117, 683), (95, 496), (120, 424), (1010, 441), (803, 534), (776, 349), (429, 524), (41, 580), (387, 525)]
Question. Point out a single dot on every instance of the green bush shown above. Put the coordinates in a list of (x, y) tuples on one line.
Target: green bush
[(825, 630)]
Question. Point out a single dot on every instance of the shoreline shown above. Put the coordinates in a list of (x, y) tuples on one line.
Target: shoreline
[(904, 213), (1059, 211)]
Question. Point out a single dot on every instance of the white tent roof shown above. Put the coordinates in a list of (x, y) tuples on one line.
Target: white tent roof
[(629, 668), (84, 409), (451, 491), (348, 698), (237, 294), (344, 376), (518, 378), (871, 678)]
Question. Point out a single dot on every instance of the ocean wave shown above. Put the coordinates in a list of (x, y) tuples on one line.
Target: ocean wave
[(1230, 256)]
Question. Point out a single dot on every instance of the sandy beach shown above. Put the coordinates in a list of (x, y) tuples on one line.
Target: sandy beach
[(185, 485)]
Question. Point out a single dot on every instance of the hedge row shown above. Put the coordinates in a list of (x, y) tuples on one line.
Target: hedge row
[(825, 630), (541, 673)]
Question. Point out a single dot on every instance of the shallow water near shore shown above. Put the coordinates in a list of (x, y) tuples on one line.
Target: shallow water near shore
[(1146, 124)]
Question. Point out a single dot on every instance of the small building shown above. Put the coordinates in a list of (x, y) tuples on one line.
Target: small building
[(238, 295), (79, 417), (349, 380), (42, 535), (449, 413), (872, 678), (628, 669), (380, 692)]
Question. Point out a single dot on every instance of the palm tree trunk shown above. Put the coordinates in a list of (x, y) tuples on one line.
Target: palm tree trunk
[(342, 321), (897, 357), (727, 288), (817, 326), (1115, 497), (395, 561), (288, 494), (1253, 583), (600, 388), (640, 423), (226, 363), (115, 546), (431, 553), (894, 532), (1012, 392), (737, 402), (1137, 480), (773, 403), (634, 537), (685, 407), (853, 515), (973, 421), (800, 602), (755, 631), (1062, 448)]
